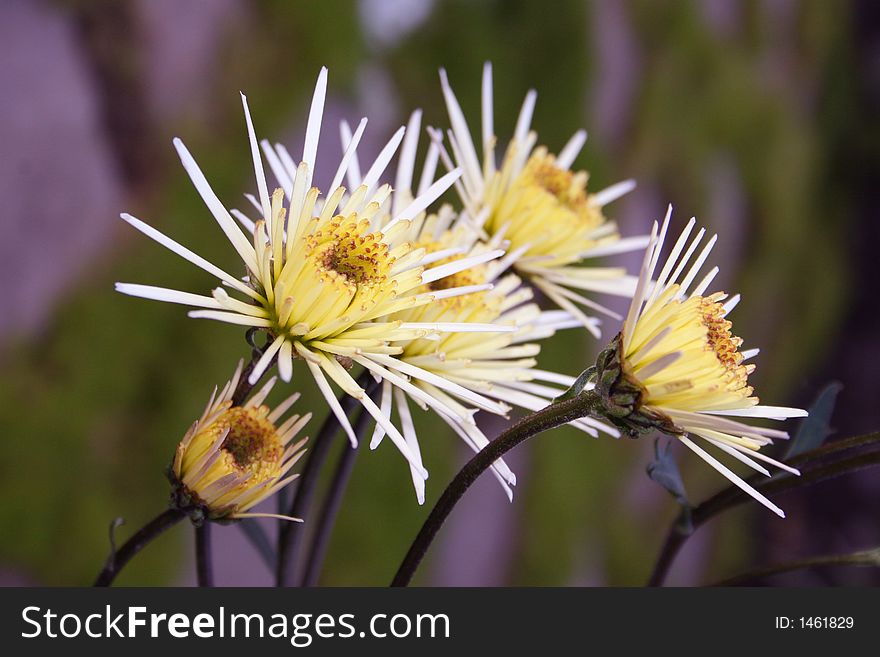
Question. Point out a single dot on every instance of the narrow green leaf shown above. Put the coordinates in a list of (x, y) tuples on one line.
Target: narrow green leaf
[(815, 428), (578, 386), (663, 470)]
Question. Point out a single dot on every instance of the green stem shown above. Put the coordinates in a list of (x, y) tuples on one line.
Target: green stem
[(862, 558), (817, 465), (204, 569), (554, 415), (333, 501), (291, 535), (143, 537)]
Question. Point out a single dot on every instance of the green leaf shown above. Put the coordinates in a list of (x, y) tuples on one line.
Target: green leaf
[(578, 386), (663, 470), (257, 536), (816, 427)]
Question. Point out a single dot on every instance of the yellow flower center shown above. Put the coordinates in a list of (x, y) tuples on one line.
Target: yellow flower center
[(719, 337), (250, 454), (252, 441), (344, 249), (332, 277), (569, 190), (547, 208), (708, 373)]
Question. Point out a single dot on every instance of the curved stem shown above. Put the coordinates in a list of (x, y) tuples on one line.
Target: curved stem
[(291, 535), (204, 568), (332, 502), (815, 468), (861, 558), (552, 416), (117, 561)]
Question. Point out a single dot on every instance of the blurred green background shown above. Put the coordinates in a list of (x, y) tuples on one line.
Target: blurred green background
[(758, 117)]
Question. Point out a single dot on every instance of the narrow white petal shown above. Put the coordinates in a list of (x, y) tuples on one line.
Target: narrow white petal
[(230, 318), (335, 407), (186, 254), (524, 120), (571, 150), (731, 303), (695, 269), (265, 360), (635, 306), (610, 194), (277, 166), (705, 283), (770, 412), (670, 260), (285, 361), (313, 128), (428, 169), (167, 295), (407, 161), (409, 433), (488, 119), (470, 161), (385, 408), (353, 171), (258, 165), (461, 327), (750, 353), (383, 159), (349, 158), (424, 200), (731, 476), (451, 292), (227, 224), (623, 245), (442, 271)]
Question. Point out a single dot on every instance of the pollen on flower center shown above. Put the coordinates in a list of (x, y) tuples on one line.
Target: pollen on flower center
[(547, 208), (569, 189), (719, 338), (252, 441), (351, 253)]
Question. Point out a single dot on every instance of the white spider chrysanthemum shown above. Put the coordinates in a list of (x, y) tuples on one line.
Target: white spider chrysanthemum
[(540, 207), (677, 345), (234, 457), (321, 276), (498, 365)]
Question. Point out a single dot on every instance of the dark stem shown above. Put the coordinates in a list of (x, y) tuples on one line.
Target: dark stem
[(552, 416), (291, 534), (204, 567), (862, 558), (817, 465), (117, 561), (244, 388), (332, 503)]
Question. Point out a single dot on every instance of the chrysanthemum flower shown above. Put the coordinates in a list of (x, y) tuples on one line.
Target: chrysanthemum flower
[(234, 457), (680, 368), (321, 272), (542, 208), (483, 341)]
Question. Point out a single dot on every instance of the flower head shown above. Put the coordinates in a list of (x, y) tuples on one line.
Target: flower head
[(545, 211), (479, 352), (324, 272), (234, 457), (678, 367)]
